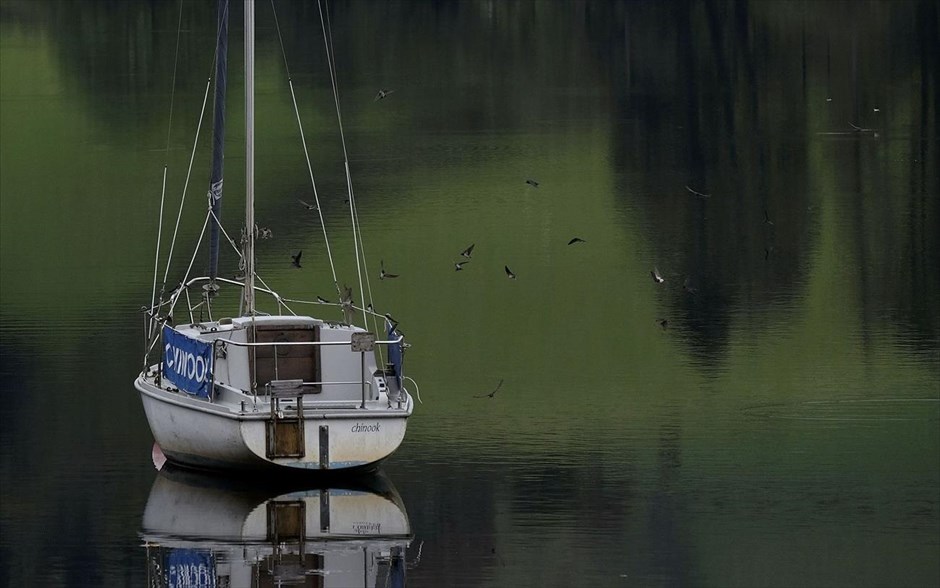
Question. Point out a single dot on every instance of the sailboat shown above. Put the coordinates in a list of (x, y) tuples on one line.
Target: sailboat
[(264, 389)]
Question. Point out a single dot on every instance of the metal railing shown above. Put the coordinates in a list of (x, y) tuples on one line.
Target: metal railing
[(163, 310), (275, 345)]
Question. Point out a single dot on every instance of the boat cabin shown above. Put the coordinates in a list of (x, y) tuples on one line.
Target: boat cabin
[(264, 354)]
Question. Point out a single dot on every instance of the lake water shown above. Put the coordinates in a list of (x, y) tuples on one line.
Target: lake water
[(769, 415)]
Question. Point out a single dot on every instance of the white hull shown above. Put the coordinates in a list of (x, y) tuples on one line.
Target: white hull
[(200, 434)]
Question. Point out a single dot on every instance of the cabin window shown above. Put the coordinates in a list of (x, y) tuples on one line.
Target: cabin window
[(286, 362)]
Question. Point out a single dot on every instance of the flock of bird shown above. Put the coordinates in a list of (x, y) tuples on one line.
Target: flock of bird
[(466, 254)]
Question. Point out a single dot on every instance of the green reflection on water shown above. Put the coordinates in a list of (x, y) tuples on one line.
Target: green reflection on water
[(774, 420)]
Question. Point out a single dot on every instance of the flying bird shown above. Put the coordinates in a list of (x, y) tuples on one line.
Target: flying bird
[(576, 240), (307, 205), (509, 273), (382, 95), (697, 193), (296, 258), (493, 393), (466, 252), (532, 183), (458, 266), (384, 274), (656, 277)]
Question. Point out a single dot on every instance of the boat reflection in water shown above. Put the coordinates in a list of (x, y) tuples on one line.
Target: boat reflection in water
[(206, 531)]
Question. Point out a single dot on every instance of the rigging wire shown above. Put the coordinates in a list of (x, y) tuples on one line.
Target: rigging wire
[(227, 236), (339, 119), (238, 252), (353, 209), (166, 158), (303, 141), (357, 233), (192, 156), (189, 171), (192, 260)]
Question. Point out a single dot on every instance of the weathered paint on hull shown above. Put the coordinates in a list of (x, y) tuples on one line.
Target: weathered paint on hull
[(347, 446), (216, 439)]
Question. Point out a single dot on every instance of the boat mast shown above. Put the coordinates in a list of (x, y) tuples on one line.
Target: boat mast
[(218, 139), (249, 245)]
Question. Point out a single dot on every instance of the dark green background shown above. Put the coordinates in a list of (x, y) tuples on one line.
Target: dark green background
[(783, 430)]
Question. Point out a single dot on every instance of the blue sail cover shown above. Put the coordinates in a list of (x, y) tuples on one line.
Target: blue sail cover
[(190, 568), (394, 351), (187, 362), (218, 137)]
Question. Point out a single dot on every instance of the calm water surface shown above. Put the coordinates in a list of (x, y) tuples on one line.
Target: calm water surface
[(769, 415)]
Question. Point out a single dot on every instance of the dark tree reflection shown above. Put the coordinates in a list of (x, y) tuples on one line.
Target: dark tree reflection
[(731, 99), (724, 97)]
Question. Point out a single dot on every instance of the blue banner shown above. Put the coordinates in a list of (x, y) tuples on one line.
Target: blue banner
[(394, 351), (190, 568), (187, 362)]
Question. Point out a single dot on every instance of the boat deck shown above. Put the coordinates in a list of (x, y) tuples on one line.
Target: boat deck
[(236, 403)]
